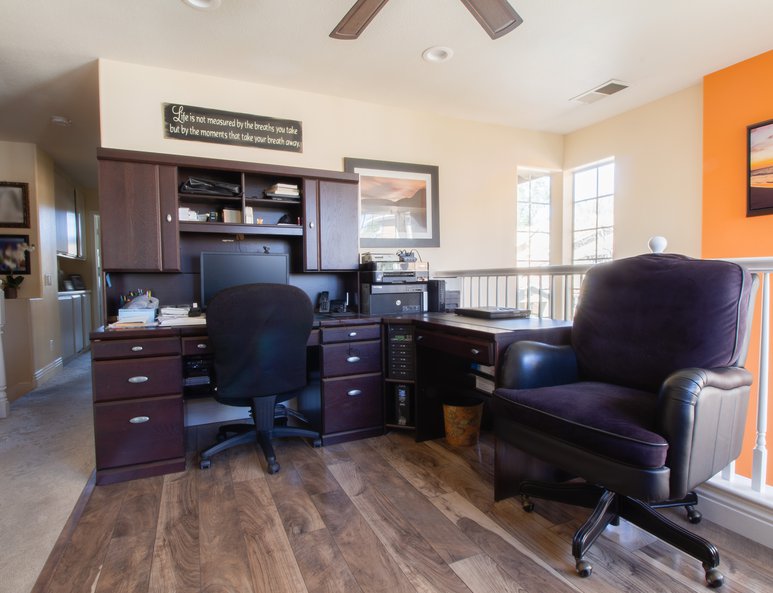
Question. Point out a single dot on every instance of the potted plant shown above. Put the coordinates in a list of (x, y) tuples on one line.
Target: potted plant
[(11, 286)]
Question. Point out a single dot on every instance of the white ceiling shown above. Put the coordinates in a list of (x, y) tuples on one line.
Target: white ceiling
[(525, 79)]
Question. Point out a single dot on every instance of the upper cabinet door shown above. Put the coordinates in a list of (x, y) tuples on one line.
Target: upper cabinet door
[(135, 237), (338, 226), (69, 224)]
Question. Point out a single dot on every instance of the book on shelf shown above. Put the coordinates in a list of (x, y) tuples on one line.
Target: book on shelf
[(283, 190), (249, 215)]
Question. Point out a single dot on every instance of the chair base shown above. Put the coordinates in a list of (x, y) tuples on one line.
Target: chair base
[(608, 507), (265, 413)]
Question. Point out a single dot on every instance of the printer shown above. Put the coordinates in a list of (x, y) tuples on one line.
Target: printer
[(389, 287)]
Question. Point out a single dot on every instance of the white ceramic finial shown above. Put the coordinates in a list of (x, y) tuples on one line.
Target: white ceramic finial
[(657, 244)]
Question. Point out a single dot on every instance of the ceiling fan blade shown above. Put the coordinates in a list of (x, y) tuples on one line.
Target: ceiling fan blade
[(357, 19), (497, 17)]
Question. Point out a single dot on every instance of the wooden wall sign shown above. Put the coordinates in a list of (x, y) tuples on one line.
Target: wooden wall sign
[(185, 122)]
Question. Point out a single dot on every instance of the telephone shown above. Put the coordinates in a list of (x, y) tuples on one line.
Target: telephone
[(324, 302)]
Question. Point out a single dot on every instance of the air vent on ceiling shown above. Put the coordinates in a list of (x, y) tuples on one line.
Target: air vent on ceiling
[(608, 88)]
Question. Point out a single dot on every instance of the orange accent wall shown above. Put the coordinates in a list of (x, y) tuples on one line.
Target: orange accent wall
[(734, 98)]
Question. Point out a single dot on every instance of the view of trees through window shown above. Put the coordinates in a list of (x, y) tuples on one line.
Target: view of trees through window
[(593, 201), (533, 222)]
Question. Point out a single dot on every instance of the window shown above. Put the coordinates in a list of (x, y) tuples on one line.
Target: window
[(533, 222), (593, 221)]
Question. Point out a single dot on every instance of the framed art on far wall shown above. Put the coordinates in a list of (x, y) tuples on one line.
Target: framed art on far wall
[(14, 204), (760, 169), (398, 203), (14, 254)]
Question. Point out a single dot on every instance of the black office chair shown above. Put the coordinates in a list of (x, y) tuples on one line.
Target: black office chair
[(259, 335), (648, 401)]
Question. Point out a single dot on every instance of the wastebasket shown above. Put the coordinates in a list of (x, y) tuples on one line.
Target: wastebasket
[(462, 421)]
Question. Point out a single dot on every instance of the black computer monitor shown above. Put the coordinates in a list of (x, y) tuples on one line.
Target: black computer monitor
[(222, 270)]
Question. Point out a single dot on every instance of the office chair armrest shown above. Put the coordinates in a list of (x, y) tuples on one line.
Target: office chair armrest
[(702, 414), (528, 365)]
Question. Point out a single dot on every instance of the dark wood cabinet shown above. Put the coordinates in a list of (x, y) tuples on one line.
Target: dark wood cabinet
[(138, 212), (138, 406), (331, 233), (350, 368)]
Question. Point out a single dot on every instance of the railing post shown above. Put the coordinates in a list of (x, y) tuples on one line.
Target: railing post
[(760, 453)]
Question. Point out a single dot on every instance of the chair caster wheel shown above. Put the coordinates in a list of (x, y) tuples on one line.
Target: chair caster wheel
[(316, 443), (205, 463), (527, 504), (693, 516), (273, 467), (584, 568), (714, 578)]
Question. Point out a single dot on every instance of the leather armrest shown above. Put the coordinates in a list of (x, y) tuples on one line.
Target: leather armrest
[(527, 365), (702, 413)]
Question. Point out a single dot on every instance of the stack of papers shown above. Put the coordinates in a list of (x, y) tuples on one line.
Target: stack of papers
[(172, 321), (283, 190)]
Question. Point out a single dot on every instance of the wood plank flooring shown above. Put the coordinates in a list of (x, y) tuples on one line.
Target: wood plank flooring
[(383, 515)]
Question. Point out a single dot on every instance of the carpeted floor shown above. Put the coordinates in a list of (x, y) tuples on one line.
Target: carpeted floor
[(46, 458)]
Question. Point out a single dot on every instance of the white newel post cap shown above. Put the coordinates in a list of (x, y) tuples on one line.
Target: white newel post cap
[(657, 244)]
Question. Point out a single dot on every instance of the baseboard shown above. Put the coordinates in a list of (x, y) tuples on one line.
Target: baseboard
[(734, 509), (48, 371)]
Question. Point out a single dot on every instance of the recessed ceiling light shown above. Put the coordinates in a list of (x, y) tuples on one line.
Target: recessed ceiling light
[(203, 4), (437, 54), (61, 120)]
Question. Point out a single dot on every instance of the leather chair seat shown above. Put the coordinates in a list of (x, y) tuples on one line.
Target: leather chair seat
[(610, 420)]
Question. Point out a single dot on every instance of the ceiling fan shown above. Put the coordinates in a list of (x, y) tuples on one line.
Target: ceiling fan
[(497, 17)]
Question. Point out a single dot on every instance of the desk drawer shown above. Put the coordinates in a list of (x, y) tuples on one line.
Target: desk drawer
[(127, 433), (352, 403), (123, 379), (480, 351), (352, 358), (350, 333), (108, 349), (194, 346)]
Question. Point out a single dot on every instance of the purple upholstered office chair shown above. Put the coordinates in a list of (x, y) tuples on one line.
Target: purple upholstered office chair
[(648, 401), (259, 334)]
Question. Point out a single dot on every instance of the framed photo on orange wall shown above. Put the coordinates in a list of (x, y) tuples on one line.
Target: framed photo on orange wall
[(760, 169)]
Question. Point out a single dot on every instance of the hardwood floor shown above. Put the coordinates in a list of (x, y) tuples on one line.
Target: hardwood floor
[(383, 515)]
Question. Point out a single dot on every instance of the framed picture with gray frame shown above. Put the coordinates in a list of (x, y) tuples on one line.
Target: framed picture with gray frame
[(14, 204), (398, 203)]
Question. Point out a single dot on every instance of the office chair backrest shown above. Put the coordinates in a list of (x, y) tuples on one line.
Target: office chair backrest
[(259, 334), (641, 318)]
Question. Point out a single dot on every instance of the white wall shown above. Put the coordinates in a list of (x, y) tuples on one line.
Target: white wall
[(658, 165), (477, 162)]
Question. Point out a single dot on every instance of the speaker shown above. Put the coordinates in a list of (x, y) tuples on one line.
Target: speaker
[(437, 295)]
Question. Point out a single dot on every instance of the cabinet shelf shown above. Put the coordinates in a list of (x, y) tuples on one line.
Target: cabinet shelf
[(286, 230), (208, 198), (269, 202)]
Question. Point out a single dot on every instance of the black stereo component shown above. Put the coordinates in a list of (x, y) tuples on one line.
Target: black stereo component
[(436, 290), (403, 404), (400, 352)]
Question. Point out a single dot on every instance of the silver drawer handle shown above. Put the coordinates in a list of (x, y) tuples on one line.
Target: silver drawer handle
[(353, 359), (201, 346), (352, 334), (354, 392), (419, 338), (474, 351), (139, 419), (138, 379), (137, 348)]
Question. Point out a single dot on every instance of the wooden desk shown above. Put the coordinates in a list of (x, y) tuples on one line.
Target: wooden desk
[(138, 382), (447, 348)]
